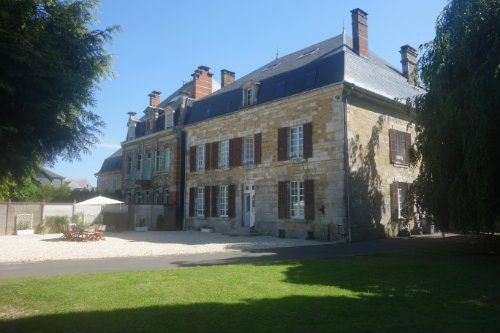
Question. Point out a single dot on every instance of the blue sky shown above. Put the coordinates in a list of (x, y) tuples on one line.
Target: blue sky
[(162, 42)]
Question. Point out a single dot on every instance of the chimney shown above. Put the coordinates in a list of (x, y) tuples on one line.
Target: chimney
[(154, 98), (132, 122), (408, 59), (360, 32), (202, 79), (226, 77)]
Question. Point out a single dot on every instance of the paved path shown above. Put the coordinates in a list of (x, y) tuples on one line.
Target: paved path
[(63, 267)]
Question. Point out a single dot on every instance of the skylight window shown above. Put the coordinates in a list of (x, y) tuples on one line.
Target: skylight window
[(270, 67), (308, 53), (280, 89), (310, 79)]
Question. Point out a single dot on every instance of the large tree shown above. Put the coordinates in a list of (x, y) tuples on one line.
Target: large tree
[(50, 64), (458, 119)]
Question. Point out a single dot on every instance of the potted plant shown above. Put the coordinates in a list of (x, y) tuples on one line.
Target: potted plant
[(206, 228), (142, 225)]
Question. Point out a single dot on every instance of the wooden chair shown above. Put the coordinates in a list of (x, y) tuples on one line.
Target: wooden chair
[(90, 233), (68, 234), (100, 230)]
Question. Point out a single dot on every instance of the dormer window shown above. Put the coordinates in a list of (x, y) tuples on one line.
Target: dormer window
[(280, 89), (310, 79), (249, 96), (249, 91)]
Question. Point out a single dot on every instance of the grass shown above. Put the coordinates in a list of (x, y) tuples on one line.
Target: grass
[(452, 288)]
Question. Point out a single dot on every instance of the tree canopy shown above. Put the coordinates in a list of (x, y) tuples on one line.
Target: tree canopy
[(50, 64), (458, 119)]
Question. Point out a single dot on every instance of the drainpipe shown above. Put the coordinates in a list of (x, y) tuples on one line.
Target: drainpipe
[(347, 168)]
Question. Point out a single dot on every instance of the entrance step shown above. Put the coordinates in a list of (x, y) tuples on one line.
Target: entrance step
[(243, 231)]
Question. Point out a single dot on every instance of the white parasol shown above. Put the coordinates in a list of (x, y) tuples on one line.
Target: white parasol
[(99, 200)]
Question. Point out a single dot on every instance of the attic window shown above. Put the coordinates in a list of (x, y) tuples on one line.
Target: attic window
[(280, 89), (308, 53), (310, 79), (270, 67), (249, 93)]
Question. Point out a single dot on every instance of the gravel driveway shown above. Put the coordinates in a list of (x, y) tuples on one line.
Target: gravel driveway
[(34, 248)]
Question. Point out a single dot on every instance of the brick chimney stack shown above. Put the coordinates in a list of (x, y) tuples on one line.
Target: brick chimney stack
[(226, 77), (360, 32), (154, 98), (202, 79), (408, 59)]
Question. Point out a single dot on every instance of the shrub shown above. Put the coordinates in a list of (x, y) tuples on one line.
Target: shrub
[(54, 223), (77, 218), (160, 222)]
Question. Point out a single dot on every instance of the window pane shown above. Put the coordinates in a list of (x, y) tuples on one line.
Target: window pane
[(157, 161), (280, 89), (200, 198), (224, 155), (297, 199), (310, 79), (249, 96), (200, 158), (167, 160), (296, 143), (248, 151), (400, 146), (223, 200)]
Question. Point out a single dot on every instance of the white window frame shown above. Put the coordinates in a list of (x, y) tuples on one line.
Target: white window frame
[(200, 201), (249, 96), (400, 202), (224, 154), (223, 201), (296, 143), (297, 200), (167, 160), (200, 158), (248, 150), (156, 193), (400, 146)]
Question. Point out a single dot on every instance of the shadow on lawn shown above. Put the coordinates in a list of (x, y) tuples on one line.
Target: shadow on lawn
[(415, 292), (428, 293), (288, 314)]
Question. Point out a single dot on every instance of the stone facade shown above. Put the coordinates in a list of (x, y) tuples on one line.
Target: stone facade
[(325, 167), (369, 176), (371, 171)]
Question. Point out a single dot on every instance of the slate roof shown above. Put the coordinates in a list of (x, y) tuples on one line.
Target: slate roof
[(112, 163), (77, 183), (49, 174), (332, 60)]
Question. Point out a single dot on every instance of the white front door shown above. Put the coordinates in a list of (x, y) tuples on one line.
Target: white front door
[(249, 205)]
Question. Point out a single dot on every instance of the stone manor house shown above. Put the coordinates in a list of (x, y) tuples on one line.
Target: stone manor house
[(311, 145)]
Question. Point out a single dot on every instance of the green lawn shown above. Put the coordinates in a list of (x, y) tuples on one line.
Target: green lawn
[(452, 288)]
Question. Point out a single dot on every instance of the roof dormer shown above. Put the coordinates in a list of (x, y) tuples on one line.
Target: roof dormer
[(249, 91)]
